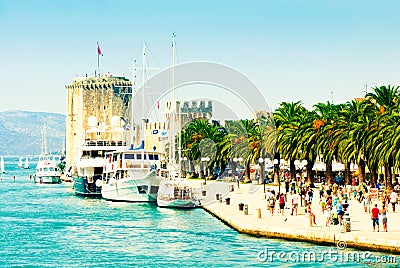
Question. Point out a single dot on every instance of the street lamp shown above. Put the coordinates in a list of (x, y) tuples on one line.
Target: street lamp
[(277, 171)]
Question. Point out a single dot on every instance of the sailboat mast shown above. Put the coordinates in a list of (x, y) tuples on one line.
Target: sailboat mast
[(132, 110), (44, 142), (143, 83), (173, 104), (143, 77)]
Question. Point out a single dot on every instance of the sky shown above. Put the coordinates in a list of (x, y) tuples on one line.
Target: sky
[(310, 51)]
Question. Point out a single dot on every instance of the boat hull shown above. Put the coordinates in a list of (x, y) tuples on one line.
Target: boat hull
[(177, 203), (85, 188), (47, 179), (130, 189)]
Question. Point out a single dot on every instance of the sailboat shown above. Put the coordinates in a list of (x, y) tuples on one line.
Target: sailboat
[(2, 169), (174, 192), (20, 162), (26, 165), (131, 175), (47, 170)]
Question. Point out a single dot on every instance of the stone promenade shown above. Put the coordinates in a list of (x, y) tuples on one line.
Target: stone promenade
[(297, 228)]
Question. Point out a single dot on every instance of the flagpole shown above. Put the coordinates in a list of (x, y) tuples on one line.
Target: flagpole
[(98, 60)]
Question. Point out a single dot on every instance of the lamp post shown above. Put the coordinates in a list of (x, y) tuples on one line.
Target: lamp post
[(277, 170)]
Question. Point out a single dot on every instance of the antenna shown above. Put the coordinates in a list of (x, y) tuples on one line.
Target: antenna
[(332, 96)]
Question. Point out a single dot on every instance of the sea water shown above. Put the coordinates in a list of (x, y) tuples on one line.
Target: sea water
[(47, 225)]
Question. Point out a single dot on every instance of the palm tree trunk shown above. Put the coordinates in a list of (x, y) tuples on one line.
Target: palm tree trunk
[(374, 176), (347, 177), (309, 179), (361, 168), (233, 165), (328, 167), (388, 177), (248, 171), (276, 174), (201, 171), (292, 170)]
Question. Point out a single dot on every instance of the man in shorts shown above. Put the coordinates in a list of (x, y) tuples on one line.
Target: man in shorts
[(393, 200), (375, 216)]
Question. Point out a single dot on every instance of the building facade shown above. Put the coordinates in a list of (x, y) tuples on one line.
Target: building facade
[(93, 105)]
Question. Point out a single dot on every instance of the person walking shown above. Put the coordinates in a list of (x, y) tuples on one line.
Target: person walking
[(295, 202), (282, 204), (384, 218), (375, 216), (310, 213), (393, 200), (328, 211)]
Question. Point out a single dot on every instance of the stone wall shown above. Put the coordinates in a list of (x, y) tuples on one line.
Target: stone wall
[(102, 97)]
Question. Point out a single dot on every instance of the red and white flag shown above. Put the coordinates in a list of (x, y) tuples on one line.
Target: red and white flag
[(99, 50)]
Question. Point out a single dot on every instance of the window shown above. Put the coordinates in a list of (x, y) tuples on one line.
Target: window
[(129, 156)]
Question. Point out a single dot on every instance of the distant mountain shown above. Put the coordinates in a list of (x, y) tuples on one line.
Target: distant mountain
[(21, 132)]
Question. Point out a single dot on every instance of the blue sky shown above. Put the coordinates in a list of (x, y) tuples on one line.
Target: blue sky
[(293, 50)]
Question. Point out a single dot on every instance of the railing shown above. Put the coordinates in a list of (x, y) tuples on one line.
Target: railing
[(105, 143)]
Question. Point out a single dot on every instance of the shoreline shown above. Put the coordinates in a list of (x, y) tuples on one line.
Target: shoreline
[(294, 229)]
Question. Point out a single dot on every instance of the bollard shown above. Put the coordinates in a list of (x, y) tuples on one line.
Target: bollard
[(258, 213), (246, 209), (241, 205), (308, 221), (346, 223), (228, 201), (232, 188), (204, 193), (217, 196)]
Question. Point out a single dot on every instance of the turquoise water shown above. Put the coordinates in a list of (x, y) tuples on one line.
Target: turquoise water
[(46, 225)]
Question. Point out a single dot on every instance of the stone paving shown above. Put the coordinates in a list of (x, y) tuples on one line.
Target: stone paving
[(297, 227)]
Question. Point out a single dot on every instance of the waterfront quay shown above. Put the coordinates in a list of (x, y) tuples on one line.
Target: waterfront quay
[(258, 221)]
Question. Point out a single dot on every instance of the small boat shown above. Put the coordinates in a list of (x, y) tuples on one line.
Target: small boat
[(47, 170), (176, 194), (2, 169), (26, 165), (20, 162)]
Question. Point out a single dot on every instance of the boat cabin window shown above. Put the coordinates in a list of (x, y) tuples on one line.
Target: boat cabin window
[(138, 156), (142, 189), (129, 156), (153, 156)]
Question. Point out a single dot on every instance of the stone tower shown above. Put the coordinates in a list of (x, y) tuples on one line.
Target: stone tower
[(102, 97)]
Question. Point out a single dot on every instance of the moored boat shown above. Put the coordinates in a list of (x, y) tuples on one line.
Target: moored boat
[(176, 194), (47, 170), (87, 169), (131, 176)]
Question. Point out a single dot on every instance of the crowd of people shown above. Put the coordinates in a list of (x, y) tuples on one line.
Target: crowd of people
[(333, 201)]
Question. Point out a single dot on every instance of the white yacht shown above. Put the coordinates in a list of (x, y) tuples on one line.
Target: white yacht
[(131, 175), (87, 167), (47, 170)]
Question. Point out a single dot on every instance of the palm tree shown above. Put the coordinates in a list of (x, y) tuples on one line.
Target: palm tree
[(385, 98), (287, 127)]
